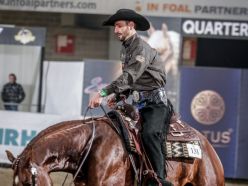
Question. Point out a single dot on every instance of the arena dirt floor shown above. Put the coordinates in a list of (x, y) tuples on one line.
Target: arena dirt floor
[(58, 178)]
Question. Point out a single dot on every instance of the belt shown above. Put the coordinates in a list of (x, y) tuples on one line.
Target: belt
[(153, 96)]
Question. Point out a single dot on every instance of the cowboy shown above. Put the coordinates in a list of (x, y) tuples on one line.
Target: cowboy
[(143, 77)]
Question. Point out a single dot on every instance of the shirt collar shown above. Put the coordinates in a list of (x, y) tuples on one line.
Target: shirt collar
[(128, 42)]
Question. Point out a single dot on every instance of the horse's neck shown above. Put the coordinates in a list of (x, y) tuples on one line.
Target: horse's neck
[(61, 148)]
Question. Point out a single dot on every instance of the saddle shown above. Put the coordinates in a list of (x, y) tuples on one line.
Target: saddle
[(181, 140)]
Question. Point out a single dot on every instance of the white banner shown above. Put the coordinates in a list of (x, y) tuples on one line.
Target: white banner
[(18, 128), (220, 9), (63, 87)]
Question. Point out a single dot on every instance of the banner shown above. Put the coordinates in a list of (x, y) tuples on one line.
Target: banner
[(28, 36), (215, 29), (242, 144), (62, 87), (98, 74), (209, 101), (18, 128), (212, 9)]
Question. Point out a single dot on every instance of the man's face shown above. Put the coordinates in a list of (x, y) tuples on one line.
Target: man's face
[(11, 79), (122, 29)]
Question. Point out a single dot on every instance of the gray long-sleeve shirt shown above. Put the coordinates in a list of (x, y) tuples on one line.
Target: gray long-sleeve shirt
[(143, 70)]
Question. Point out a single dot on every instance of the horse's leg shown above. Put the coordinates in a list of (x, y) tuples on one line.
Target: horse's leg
[(207, 171), (109, 170), (180, 173), (43, 178), (210, 171)]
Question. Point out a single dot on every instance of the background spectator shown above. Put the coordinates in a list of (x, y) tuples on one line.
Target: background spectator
[(12, 94)]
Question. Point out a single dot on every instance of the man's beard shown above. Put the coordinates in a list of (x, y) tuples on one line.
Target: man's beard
[(121, 37)]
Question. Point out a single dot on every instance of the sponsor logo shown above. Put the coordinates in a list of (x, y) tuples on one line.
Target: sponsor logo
[(219, 138), (24, 36), (215, 28), (207, 107), (96, 85), (14, 137)]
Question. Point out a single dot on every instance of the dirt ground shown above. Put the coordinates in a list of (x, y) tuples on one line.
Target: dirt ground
[(58, 178)]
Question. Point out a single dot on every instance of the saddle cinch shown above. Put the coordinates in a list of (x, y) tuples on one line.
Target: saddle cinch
[(182, 140)]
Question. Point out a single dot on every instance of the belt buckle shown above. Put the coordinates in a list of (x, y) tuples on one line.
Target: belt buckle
[(136, 96)]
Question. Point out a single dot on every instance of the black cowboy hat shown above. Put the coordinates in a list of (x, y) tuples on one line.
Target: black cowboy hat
[(128, 15)]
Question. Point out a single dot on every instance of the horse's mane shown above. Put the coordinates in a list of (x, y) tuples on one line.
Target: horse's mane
[(59, 127), (62, 126)]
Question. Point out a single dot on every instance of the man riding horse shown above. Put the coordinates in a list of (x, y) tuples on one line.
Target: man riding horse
[(144, 77)]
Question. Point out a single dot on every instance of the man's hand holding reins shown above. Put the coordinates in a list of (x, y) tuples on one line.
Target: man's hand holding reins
[(111, 102), (95, 100)]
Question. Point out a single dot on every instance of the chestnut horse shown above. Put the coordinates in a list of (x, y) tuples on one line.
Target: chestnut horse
[(61, 147)]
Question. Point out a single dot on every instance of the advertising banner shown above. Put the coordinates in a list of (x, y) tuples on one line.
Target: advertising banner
[(215, 29), (209, 101), (18, 128), (98, 74), (28, 36), (164, 36), (242, 160), (223, 9)]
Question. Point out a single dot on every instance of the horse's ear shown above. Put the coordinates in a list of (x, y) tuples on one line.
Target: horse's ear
[(150, 30), (144, 38), (10, 156), (164, 29)]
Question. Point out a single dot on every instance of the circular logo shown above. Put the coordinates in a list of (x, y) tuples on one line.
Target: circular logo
[(208, 107)]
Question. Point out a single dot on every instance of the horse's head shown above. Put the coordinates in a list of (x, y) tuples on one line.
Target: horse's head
[(158, 39), (167, 43), (27, 173)]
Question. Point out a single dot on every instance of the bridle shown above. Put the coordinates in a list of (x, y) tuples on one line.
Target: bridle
[(34, 173), (33, 170)]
